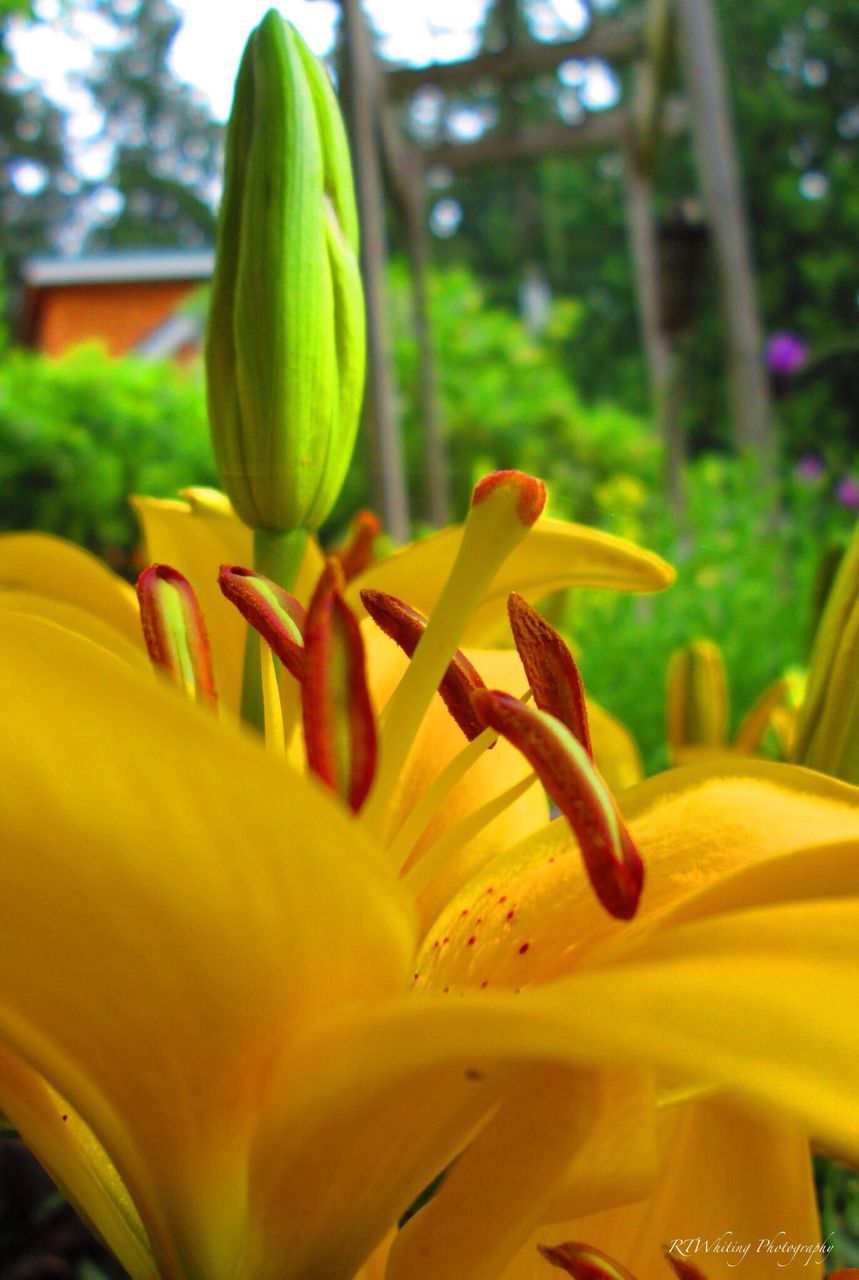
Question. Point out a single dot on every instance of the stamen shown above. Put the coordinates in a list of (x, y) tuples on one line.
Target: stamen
[(273, 612), (503, 509), (584, 1261), (405, 626), (550, 668), (339, 725), (431, 799), (272, 710), (356, 554), (457, 836), (684, 1269), (175, 632), (563, 766)]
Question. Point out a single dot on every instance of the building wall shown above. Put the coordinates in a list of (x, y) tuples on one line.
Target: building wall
[(119, 315)]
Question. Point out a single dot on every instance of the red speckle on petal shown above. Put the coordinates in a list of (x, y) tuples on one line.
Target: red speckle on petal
[(464, 912), (472, 940), (503, 898), (484, 983), (524, 947), (510, 915), (490, 889), (445, 941)]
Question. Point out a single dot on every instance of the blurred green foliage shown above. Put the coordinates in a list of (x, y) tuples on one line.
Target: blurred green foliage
[(747, 561), (79, 434), (507, 400)]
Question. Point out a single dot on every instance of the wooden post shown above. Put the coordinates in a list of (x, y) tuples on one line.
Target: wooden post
[(405, 174), (662, 359), (437, 486), (386, 454), (720, 185)]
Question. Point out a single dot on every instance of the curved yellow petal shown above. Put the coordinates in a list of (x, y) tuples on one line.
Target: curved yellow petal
[(501, 1186), (529, 912), (560, 1134), (731, 1001), (615, 750), (76, 1161), (555, 555), (734, 1193), (80, 622), (183, 909), (54, 570)]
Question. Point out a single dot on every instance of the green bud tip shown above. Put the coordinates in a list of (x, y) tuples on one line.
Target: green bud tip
[(285, 344)]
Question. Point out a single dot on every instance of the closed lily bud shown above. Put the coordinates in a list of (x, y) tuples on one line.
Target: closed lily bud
[(285, 344), (697, 700), (827, 736)]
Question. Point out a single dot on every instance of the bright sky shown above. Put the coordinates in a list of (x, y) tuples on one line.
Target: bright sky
[(207, 50)]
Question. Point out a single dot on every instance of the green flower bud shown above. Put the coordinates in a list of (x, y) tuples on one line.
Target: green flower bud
[(827, 736), (285, 345), (696, 700)]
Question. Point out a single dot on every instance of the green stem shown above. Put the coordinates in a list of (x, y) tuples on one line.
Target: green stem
[(277, 556)]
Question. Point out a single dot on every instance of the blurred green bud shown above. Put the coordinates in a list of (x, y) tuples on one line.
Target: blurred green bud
[(827, 736), (696, 700), (285, 344)]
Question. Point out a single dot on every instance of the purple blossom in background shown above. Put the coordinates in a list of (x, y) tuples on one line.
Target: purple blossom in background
[(786, 353), (847, 493), (809, 469)]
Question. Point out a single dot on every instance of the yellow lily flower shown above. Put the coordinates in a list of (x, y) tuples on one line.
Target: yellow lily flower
[(244, 1032)]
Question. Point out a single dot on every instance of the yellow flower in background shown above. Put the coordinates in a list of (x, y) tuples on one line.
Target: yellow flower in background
[(245, 1027)]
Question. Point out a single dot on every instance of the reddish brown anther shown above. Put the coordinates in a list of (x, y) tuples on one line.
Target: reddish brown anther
[(339, 724), (175, 632), (273, 612), (551, 670), (531, 493), (611, 860), (405, 626), (356, 554), (584, 1262), (684, 1269)]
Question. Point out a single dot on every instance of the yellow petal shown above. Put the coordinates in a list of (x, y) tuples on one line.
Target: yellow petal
[(54, 570), (555, 555), (731, 1001), (170, 935), (729, 1178), (615, 750), (695, 828), (80, 622), (502, 1185), (75, 1160), (559, 1134)]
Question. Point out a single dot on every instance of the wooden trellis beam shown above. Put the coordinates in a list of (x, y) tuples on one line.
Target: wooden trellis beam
[(616, 41), (530, 142)]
